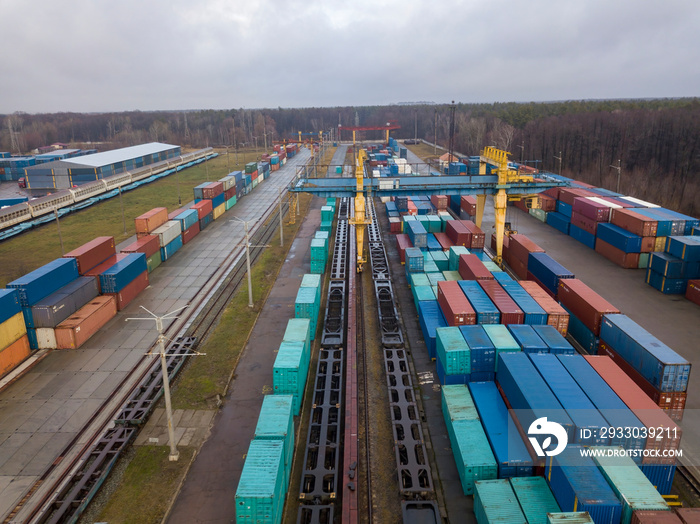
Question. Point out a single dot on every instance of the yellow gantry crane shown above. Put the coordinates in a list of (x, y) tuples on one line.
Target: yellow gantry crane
[(360, 221), (506, 175)]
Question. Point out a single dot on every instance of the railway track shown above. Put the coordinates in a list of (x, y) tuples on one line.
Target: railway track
[(64, 495)]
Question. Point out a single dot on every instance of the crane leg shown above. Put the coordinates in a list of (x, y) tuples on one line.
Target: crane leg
[(480, 203), (499, 208)]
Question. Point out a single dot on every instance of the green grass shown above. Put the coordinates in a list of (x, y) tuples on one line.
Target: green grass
[(425, 152), (147, 486), (27, 251)]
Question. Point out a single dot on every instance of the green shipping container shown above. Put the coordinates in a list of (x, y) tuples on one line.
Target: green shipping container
[(452, 275), (429, 266), (501, 338), (419, 279), (628, 482), (457, 404), (434, 224), (153, 261), (319, 250), (327, 213), (495, 503), (299, 330), (440, 259), (230, 202), (323, 235), (421, 293), (535, 498), (276, 422), (290, 371), (491, 266), (578, 517), (317, 267), (262, 487), (326, 225), (452, 351), (306, 305), (434, 277), (472, 454), (539, 214), (312, 280), (454, 254)]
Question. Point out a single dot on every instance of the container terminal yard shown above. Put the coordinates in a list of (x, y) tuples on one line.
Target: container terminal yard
[(409, 391)]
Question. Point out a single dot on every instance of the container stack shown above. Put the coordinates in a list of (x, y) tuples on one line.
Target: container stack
[(671, 271), (319, 255), (205, 213), (14, 343), (125, 279), (149, 245), (495, 501), (169, 238), (276, 422), (535, 498), (262, 487), (292, 363), (79, 327), (519, 249), (92, 254), (189, 224), (147, 223), (307, 305), (327, 213), (453, 356)]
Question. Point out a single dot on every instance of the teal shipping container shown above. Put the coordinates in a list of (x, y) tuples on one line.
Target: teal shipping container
[(496, 503), (440, 259), (577, 517), (628, 482), (299, 330), (434, 277), (262, 487), (231, 202), (419, 279), (290, 371), (457, 404), (535, 498), (421, 293), (306, 305), (327, 213), (276, 422), (451, 275), (319, 250), (317, 267), (501, 338), (452, 351), (455, 253), (472, 454), (314, 281), (326, 225)]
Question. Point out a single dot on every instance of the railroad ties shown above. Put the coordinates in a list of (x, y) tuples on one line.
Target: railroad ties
[(320, 480)]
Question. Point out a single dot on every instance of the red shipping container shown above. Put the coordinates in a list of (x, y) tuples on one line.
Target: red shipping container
[(189, 233), (478, 236), (521, 205), (568, 194), (173, 214), (147, 245), (655, 517), (547, 203), (648, 245), (14, 354), (104, 266), (130, 291), (472, 268), (444, 241), (402, 242), (673, 402), (583, 222), (394, 225), (649, 414), (520, 248), (553, 192), (454, 304), (254, 175), (79, 327), (412, 209), (510, 312), (212, 190), (203, 207), (631, 221), (439, 201), (692, 292), (591, 209), (617, 256), (689, 515), (518, 267), (468, 205), (92, 253), (151, 220), (505, 253), (584, 303), (459, 234), (556, 315), (230, 193)]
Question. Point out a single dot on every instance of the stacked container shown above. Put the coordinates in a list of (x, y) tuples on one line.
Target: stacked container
[(471, 452), (528, 339), (276, 422), (547, 272), (454, 304), (92, 253), (306, 305), (495, 502), (472, 268), (205, 213), (519, 249), (535, 498), (14, 343), (501, 339), (79, 327), (319, 255), (149, 245), (430, 318), (510, 312), (486, 312), (169, 238), (150, 221), (262, 486), (556, 314), (458, 233), (453, 257), (533, 314), (482, 352), (189, 224)]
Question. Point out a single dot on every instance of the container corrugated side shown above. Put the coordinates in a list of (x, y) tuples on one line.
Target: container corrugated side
[(14, 354), (43, 281), (306, 305), (557, 344), (12, 330), (655, 517), (148, 245), (528, 339), (92, 253), (298, 330), (535, 498), (453, 257), (587, 305), (689, 515), (452, 351), (170, 249), (533, 313), (457, 404), (578, 485), (114, 279), (454, 304), (507, 445), (472, 454), (421, 293), (290, 371), (547, 270), (79, 327), (9, 304), (628, 482), (510, 312), (54, 309), (496, 503), (430, 318), (659, 364), (590, 425), (502, 340), (483, 352), (168, 232), (261, 488), (276, 422)]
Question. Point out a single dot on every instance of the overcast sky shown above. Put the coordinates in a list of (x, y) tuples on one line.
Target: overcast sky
[(95, 56)]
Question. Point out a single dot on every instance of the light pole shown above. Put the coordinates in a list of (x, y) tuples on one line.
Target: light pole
[(279, 195), (619, 171), (247, 261), (60, 237), (522, 151), (122, 204), (558, 158)]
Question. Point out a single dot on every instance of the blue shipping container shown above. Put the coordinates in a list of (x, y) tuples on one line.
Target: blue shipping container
[(416, 233), (665, 369), (619, 238), (559, 221), (187, 218), (557, 344), (547, 270), (502, 276), (686, 248), (534, 314), (430, 318), (586, 238), (9, 304), (122, 273), (581, 334), (170, 249), (206, 220), (41, 282), (565, 209), (486, 311), (508, 447), (483, 352), (528, 339)]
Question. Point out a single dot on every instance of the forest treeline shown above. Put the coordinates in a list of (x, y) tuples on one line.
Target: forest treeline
[(657, 142)]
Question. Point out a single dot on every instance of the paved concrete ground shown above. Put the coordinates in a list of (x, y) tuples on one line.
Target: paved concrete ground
[(208, 493), (11, 190), (44, 410)]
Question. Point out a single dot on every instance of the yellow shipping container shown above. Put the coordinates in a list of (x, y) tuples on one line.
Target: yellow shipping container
[(219, 210), (12, 356), (660, 244), (11, 330)]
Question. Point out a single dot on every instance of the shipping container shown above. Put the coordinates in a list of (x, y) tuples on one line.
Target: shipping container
[(472, 268), (587, 305), (416, 234), (665, 369), (578, 485), (154, 260), (306, 305), (486, 311), (520, 248), (150, 221), (148, 245), (547, 270), (290, 371), (9, 304), (12, 330), (41, 282), (634, 222), (452, 351), (533, 313), (92, 253), (472, 454), (510, 312), (191, 232), (187, 219), (495, 503), (528, 339), (453, 257), (55, 308), (199, 191), (556, 314), (114, 279), (73, 332), (617, 256), (168, 232), (478, 236), (13, 355), (458, 233), (661, 476), (457, 404), (554, 340), (619, 238), (276, 422), (129, 292), (535, 498), (559, 222), (582, 335), (402, 243), (689, 515), (573, 517), (482, 350), (454, 304), (299, 330), (421, 293), (583, 236), (502, 340), (203, 208), (655, 517), (219, 210), (628, 482), (262, 487), (508, 448), (686, 248), (172, 248), (592, 208)]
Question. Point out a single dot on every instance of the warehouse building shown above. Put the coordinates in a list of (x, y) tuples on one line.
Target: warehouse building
[(62, 174)]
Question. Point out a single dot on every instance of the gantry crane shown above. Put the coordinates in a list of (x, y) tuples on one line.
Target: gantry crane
[(360, 220)]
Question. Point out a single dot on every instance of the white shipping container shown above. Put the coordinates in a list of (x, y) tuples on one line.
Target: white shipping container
[(228, 182), (46, 338), (168, 232)]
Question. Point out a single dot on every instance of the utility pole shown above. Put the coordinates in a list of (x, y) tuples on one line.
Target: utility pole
[(435, 138), (452, 136), (558, 158), (160, 347), (522, 151), (279, 195), (619, 172), (121, 202), (60, 237), (415, 128), (247, 261)]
